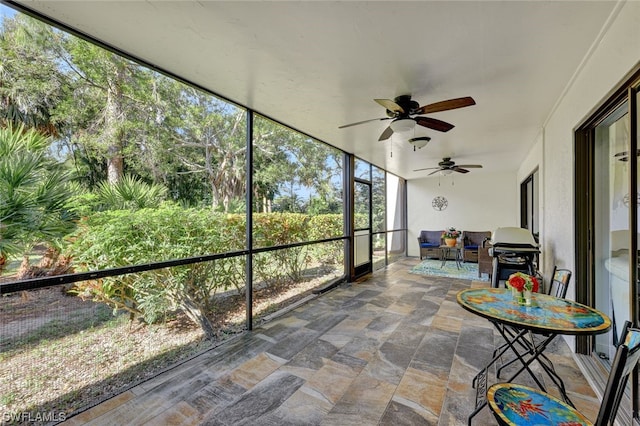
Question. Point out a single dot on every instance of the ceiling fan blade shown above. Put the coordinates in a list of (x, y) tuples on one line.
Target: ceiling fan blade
[(446, 105), (390, 105), (365, 121), (436, 171), (434, 124), (470, 166), (426, 168), (386, 134), (459, 169)]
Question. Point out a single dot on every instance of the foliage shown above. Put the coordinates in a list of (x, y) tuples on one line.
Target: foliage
[(130, 193), (30, 81), (327, 226), (277, 229), (113, 117), (450, 232), (121, 238), (33, 193), (521, 282)]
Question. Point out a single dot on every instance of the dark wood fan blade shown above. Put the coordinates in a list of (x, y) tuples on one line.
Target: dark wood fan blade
[(446, 105), (390, 105), (434, 124), (365, 121), (386, 134), (459, 170), (470, 166)]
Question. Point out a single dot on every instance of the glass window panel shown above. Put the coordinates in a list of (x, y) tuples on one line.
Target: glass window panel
[(362, 170), (298, 178)]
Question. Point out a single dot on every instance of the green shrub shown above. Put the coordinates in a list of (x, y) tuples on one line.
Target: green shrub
[(119, 238), (327, 226)]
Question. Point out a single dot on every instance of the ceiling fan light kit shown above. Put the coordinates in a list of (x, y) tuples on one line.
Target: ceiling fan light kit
[(419, 142), (402, 125)]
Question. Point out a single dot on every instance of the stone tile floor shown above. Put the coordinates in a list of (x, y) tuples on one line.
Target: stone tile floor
[(393, 349)]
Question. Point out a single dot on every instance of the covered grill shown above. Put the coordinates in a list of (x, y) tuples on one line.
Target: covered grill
[(513, 250)]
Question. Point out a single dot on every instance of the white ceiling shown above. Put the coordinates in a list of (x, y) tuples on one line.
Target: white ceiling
[(316, 65)]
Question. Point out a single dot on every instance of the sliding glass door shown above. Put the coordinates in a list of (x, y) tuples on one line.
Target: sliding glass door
[(611, 231), (606, 207)]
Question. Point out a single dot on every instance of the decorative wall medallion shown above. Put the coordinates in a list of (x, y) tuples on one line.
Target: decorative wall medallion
[(439, 203)]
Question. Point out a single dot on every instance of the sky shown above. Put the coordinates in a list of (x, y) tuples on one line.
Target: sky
[(6, 11)]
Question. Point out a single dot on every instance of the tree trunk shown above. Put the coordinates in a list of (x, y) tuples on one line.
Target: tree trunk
[(196, 315), (113, 134), (115, 164)]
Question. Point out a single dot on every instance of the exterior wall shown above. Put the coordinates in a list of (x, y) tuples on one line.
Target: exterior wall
[(612, 57), (477, 202), (531, 162)]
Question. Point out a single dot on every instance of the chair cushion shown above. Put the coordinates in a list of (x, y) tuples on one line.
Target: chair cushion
[(521, 405), (471, 247), (428, 245)]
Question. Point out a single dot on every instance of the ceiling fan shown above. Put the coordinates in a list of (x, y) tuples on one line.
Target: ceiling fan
[(624, 155), (402, 109), (448, 166)]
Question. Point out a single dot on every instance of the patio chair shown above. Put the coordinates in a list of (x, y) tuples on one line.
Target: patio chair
[(430, 242), (514, 404), (485, 260), (471, 241), (559, 282)]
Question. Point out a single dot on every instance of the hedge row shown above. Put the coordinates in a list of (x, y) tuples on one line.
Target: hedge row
[(121, 238)]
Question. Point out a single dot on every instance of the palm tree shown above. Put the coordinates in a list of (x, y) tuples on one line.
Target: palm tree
[(33, 193)]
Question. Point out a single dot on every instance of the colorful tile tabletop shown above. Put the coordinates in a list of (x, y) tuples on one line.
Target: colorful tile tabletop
[(547, 313)]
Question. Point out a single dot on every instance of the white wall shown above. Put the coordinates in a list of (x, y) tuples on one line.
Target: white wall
[(477, 202), (613, 56), (534, 160)]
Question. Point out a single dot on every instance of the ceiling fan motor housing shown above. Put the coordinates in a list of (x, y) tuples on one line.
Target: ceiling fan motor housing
[(446, 162), (407, 104)]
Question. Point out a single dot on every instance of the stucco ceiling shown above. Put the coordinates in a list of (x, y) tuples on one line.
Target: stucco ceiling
[(317, 65)]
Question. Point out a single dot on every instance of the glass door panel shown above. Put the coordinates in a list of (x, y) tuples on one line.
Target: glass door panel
[(612, 236)]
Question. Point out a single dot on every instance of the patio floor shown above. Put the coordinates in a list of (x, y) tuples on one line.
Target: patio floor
[(394, 349)]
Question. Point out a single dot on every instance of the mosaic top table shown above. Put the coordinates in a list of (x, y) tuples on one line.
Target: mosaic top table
[(547, 315)]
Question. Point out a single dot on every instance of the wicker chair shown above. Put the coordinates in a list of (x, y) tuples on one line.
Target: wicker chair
[(471, 241), (485, 261), (430, 242)]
